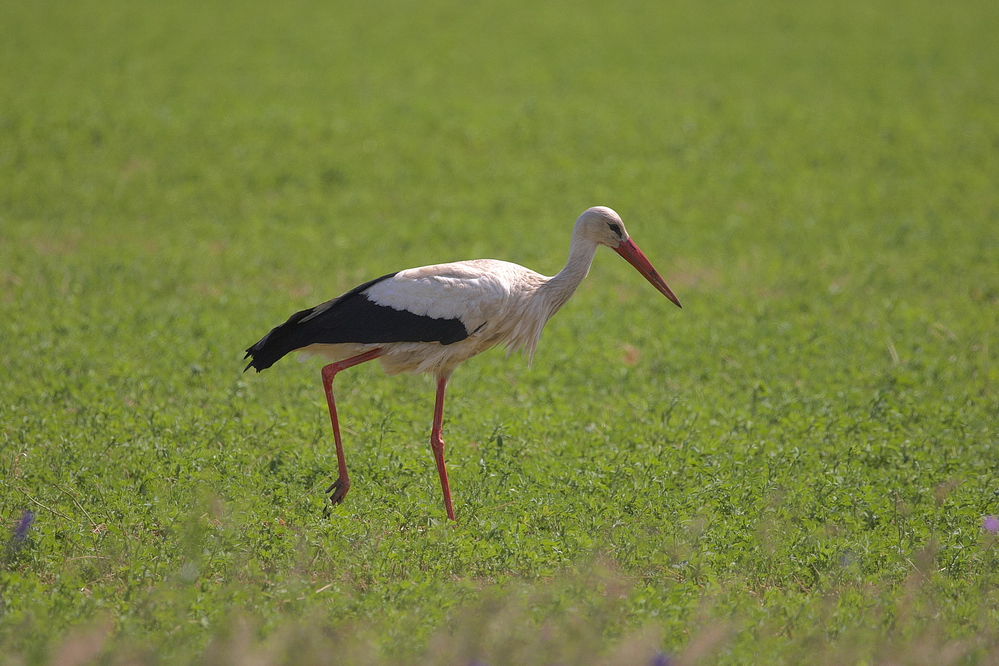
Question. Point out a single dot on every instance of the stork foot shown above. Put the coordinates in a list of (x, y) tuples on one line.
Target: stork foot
[(338, 490)]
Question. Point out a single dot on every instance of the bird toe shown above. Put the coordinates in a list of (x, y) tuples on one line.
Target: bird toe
[(337, 491)]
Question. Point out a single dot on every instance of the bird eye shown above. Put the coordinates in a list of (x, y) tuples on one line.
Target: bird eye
[(615, 228)]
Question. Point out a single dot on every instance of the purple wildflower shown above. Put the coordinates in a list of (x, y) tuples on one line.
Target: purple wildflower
[(19, 536), (661, 659), (23, 527), (991, 524)]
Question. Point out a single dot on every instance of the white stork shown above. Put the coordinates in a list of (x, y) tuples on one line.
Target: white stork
[(432, 318)]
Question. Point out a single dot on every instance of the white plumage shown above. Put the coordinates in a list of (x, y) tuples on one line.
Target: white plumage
[(430, 319), (485, 295)]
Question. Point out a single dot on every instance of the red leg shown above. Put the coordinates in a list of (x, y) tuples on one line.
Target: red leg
[(437, 444), (339, 489)]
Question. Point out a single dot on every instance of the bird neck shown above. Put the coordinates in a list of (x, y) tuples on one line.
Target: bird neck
[(550, 295), (562, 286)]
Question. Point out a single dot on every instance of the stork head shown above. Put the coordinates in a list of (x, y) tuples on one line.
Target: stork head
[(603, 226)]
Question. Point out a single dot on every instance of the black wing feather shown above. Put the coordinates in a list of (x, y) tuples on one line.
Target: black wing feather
[(351, 318)]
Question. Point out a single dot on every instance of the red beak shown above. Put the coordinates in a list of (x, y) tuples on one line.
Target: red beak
[(636, 258)]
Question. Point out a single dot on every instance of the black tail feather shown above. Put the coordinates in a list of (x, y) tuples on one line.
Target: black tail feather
[(280, 341), (352, 318), (296, 334)]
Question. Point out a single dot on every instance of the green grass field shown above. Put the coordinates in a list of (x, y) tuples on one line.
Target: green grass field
[(798, 467)]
